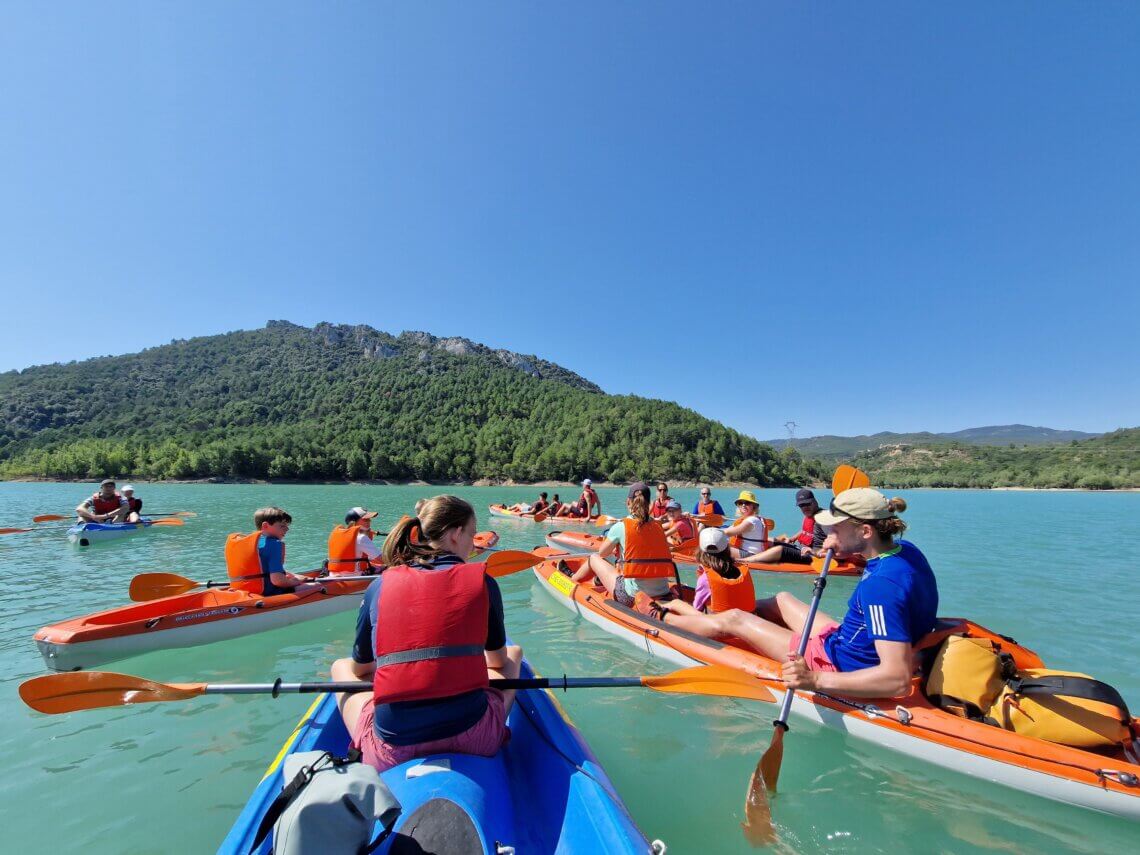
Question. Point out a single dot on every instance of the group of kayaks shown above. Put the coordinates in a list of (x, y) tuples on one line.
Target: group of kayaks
[(545, 792)]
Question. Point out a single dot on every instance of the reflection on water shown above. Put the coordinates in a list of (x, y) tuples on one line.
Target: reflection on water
[(682, 764)]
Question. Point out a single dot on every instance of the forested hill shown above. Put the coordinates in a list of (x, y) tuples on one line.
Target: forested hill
[(1108, 461), (350, 402)]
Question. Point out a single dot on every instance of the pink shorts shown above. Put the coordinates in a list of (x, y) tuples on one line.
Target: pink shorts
[(484, 738), (815, 654)]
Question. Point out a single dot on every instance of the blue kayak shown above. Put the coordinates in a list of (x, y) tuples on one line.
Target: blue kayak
[(87, 533), (543, 792)]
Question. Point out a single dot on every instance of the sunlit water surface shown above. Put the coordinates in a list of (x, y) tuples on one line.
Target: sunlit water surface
[(1058, 571)]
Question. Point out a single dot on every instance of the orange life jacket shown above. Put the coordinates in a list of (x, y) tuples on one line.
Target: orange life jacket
[(646, 553), (704, 508), (342, 552), (737, 540), (243, 564), (430, 633), (738, 593)]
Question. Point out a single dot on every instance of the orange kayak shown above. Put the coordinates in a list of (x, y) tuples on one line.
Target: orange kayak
[(504, 511), (198, 617), (1107, 781), (584, 543)]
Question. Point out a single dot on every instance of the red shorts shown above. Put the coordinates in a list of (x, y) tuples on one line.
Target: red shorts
[(815, 654), (484, 738)]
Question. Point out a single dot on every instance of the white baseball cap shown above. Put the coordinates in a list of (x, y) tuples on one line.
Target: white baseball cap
[(587, 483), (126, 488), (714, 540)]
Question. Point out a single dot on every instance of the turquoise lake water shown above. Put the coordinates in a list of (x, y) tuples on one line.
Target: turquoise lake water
[(1057, 571)]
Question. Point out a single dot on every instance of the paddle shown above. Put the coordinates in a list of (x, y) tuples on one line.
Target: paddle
[(15, 530), (57, 517), (166, 522), (757, 825), (153, 586), (87, 690)]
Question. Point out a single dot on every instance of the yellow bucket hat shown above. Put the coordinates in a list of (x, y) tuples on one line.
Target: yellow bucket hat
[(748, 496)]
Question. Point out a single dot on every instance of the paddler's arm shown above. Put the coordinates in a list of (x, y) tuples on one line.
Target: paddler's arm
[(889, 679)]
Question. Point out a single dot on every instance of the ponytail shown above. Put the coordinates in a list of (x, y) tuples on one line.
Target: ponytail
[(413, 539), (638, 508), (720, 563), (891, 527)]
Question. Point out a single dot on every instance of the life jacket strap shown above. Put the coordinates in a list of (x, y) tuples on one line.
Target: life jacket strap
[(402, 657)]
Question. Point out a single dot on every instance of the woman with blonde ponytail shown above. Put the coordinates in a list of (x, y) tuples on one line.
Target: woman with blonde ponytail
[(430, 634), (645, 563)]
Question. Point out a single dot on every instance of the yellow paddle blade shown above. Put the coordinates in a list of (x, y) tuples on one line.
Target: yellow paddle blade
[(49, 518), (511, 561), (716, 680), (847, 477), (153, 586), (88, 690), (171, 521)]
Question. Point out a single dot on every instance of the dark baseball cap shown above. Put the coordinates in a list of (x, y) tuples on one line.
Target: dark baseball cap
[(805, 497), (639, 488)]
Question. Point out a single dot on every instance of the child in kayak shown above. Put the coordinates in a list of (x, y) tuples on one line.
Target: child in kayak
[(272, 524), (646, 563), (134, 506), (430, 635), (677, 528), (555, 509), (721, 586), (747, 533), (894, 605)]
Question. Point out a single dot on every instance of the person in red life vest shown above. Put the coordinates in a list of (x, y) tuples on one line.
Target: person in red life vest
[(556, 506), (721, 585), (352, 551), (677, 528), (747, 534), (105, 506), (588, 504), (646, 563), (430, 635), (706, 504), (660, 506), (134, 506), (800, 548)]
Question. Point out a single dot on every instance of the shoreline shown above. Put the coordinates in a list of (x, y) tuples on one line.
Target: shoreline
[(564, 485)]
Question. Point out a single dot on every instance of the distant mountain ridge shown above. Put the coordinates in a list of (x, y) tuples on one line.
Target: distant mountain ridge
[(829, 447)]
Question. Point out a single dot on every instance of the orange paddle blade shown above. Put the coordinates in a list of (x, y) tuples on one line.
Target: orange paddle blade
[(49, 518), (172, 521), (541, 516), (511, 561), (847, 477), (769, 765), (15, 530), (758, 827), (153, 586), (708, 519), (88, 690), (716, 680)]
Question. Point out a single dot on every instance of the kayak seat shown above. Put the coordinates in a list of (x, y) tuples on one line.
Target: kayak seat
[(437, 827)]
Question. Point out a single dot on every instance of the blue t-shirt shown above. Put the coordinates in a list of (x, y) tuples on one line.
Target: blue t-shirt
[(896, 600), (413, 722), (271, 554), (717, 509)]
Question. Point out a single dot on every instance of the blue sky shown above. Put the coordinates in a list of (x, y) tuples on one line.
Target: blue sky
[(859, 217)]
